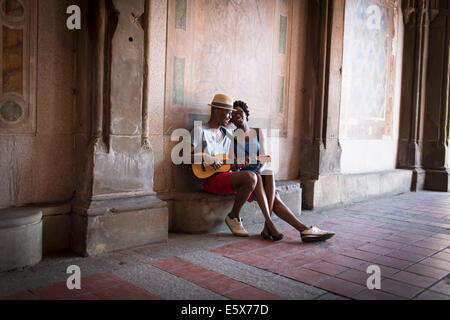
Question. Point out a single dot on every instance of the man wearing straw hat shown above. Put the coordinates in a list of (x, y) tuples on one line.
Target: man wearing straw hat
[(214, 139)]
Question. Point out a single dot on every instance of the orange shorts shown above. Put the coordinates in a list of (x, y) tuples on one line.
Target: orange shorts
[(220, 184)]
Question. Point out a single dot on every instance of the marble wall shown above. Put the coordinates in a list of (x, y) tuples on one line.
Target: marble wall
[(255, 54), (36, 140)]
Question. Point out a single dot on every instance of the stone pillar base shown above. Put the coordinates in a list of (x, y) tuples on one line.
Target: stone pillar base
[(55, 226), (110, 225), (334, 189), (437, 180), (20, 237), (200, 212), (418, 180)]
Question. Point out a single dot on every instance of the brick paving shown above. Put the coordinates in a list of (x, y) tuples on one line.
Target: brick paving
[(411, 259), (105, 286), (406, 236), (213, 281)]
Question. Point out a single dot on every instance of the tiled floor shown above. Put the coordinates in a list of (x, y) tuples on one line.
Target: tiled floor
[(104, 286), (406, 236), (410, 261), (213, 281)]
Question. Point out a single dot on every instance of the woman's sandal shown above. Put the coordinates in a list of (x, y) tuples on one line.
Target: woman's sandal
[(269, 236), (275, 238), (265, 236)]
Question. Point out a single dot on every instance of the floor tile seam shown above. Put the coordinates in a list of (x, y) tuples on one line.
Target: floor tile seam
[(424, 258), (421, 274), (405, 269), (272, 273), (419, 221), (29, 291), (390, 293), (423, 289), (329, 275), (334, 277), (228, 293), (154, 283), (386, 219), (439, 268), (403, 297), (84, 293), (313, 284), (262, 267), (194, 282), (133, 286), (438, 292), (336, 294), (402, 281), (223, 294), (441, 251), (413, 221)]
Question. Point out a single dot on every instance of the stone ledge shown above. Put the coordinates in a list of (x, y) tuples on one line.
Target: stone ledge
[(55, 225), (200, 212), (123, 203), (118, 223), (335, 189), (20, 216)]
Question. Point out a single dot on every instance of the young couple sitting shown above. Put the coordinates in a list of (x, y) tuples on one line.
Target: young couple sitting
[(247, 181)]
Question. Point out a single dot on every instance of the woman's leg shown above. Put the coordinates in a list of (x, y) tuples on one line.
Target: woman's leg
[(282, 211), (269, 188), (260, 196), (243, 183)]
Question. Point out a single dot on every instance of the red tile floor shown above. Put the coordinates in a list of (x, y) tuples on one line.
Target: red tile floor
[(409, 243), (104, 286)]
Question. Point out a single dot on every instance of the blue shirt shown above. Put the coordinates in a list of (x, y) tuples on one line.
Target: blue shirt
[(249, 149)]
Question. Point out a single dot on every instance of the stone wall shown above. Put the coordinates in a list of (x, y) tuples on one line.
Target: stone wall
[(255, 54), (37, 162)]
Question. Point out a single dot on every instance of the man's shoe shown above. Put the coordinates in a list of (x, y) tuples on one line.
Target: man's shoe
[(314, 234), (236, 227)]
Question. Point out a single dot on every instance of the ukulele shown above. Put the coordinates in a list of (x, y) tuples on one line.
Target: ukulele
[(205, 171)]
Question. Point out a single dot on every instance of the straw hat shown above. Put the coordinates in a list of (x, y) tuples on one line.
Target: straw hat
[(222, 101)]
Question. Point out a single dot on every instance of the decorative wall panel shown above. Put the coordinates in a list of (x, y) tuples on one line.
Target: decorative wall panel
[(18, 20), (368, 69), (239, 48)]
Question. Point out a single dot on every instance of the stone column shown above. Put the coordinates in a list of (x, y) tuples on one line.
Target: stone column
[(415, 55), (320, 161), (436, 121), (423, 138), (115, 206)]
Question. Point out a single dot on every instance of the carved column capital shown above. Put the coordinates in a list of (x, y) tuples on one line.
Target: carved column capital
[(409, 10), (409, 15)]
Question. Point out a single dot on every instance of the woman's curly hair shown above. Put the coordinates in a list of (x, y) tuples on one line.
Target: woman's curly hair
[(244, 107)]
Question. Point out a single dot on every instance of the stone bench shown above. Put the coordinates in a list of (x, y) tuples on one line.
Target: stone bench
[(20, 237), (200, 212)]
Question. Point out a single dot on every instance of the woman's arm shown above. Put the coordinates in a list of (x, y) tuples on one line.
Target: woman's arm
[(262, 143), (262, 147)]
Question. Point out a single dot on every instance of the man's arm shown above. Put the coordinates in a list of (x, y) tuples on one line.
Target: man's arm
[(213, 162)]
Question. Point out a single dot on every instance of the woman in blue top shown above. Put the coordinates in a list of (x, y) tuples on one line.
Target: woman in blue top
[(249, 144)]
